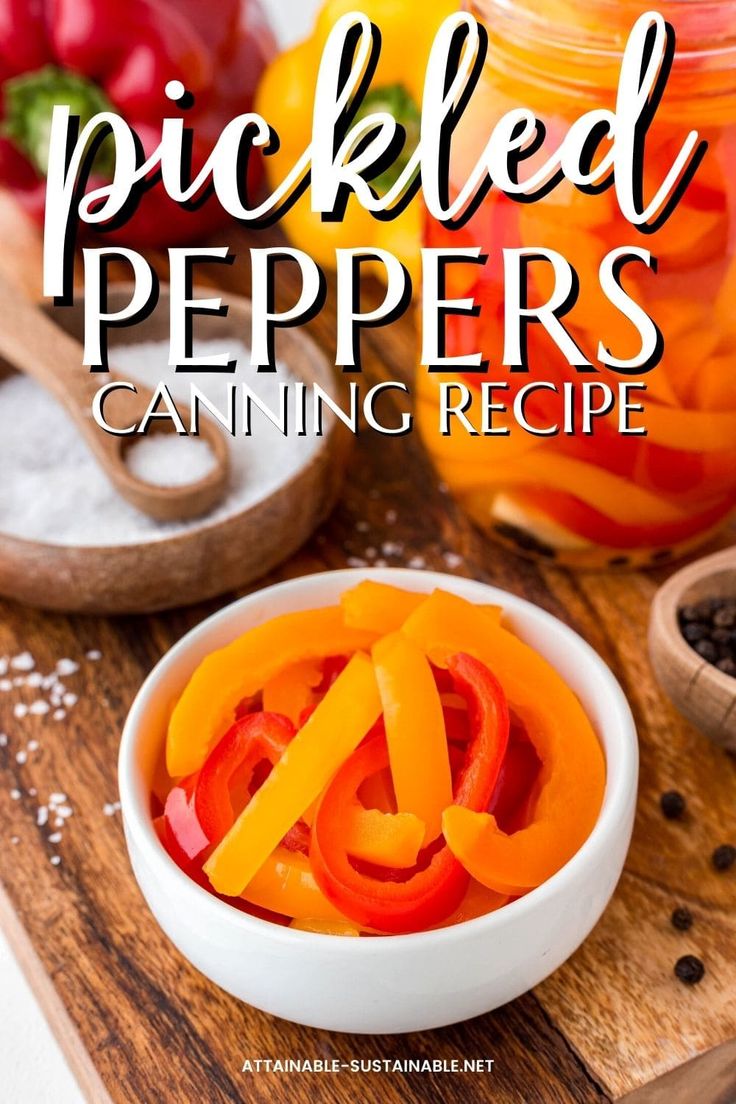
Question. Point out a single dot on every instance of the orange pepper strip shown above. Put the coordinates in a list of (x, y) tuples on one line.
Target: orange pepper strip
[(478, 901), (348, 710), (573, 765), (386, 839), (290, 691), (285, 884), (415, 731), (383, 609), (206, 707), (326, 927)]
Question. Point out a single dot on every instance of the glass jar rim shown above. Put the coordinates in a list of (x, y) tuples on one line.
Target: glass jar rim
[(715, 20)]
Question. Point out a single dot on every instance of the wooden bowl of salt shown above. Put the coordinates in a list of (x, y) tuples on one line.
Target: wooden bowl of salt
[(69, 542), (705, 695)]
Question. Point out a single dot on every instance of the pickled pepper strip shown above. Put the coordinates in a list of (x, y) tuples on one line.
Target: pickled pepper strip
[(383, 609), (431, 892), (415, 731), (340, 721), (290, 691), (207, 706), (384, 839)]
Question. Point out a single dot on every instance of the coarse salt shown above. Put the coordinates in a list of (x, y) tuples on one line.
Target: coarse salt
[(66, 667), (53, 490), (23, 662)]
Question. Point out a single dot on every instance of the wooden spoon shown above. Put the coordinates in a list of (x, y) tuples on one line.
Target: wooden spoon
[(702, 693), (31, 343)]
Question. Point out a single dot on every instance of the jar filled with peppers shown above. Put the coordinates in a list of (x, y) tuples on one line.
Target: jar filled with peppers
[(603, 499)]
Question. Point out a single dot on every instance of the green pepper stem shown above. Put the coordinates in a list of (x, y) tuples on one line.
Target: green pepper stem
[(394, 99), (29, 103)]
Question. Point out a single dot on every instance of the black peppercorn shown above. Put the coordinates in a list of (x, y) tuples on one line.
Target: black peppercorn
[(682, 918), (707, 650), (689, 969), (672, 804), (724, 857), (727, 665), (709, 627)]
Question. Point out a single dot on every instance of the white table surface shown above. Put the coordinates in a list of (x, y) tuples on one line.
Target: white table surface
[(33, 1069)]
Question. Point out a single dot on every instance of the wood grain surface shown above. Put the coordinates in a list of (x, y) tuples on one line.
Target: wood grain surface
[(612, 1020)]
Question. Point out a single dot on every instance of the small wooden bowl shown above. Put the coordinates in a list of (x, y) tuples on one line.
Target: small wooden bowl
[(702, 693), (211, 558)]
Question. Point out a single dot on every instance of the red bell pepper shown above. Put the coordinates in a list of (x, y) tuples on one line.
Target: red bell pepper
[(96, 55), (404, 901), (229, 769)]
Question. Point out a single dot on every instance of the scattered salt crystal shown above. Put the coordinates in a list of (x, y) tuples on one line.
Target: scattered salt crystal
[(69, 700), (5, 685), (3, 665), (32, 745), (93, 655), (110, 808), (19, 681), (66, 667), (21, 757), (355, 561), (58, 822), (35, 679), (63, 811), (3, 740), (57, 798), (55, 837), (391, 516), (55, 860), (23, 662), (452, 560), (370, 553), (417, 562), (15, 839), (20, 710), (42, 815), (392, 548), (362, 526), (33, 791), (59, 714), (380, 563), (15, 795), (38, 708)]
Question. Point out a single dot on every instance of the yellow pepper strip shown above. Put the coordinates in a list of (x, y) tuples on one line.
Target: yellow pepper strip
[(386, 839), (289, 692), (285, 884), (378, 607), (326, 927), (350, 708), (382, 609), (415, 731), (614, 496), (206, 708)]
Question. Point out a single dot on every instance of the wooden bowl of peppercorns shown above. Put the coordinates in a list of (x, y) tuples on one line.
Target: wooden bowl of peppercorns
[(692, 644)]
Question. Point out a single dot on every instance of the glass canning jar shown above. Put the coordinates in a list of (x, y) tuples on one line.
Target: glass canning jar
[(604, 499)]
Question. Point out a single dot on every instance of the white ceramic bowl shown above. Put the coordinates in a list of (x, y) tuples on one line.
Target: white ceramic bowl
[(392, 983)]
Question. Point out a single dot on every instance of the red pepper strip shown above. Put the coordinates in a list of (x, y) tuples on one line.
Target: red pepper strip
[(251, 740), (435, 888)]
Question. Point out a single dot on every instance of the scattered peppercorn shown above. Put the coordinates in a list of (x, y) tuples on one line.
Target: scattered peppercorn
[(724, 857), (709, 627), (672, 804), (689, 969), (682, 918)]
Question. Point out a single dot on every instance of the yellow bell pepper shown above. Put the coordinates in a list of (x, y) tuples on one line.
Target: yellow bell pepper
[(382, 609), (285, 99), (285, 884), (415, 731), (349, 709), (384, 839), (206, 708)]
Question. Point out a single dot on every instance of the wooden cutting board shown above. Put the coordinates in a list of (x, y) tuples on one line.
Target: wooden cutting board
[(141, 1025)]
